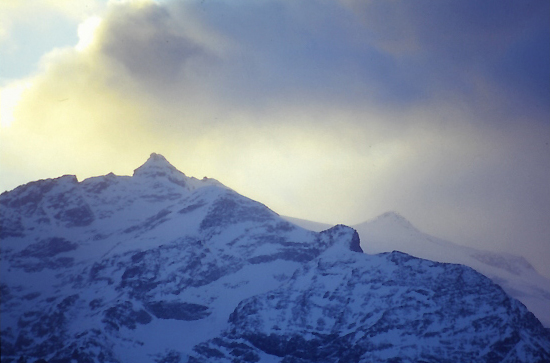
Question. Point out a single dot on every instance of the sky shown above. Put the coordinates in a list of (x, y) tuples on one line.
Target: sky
[(334, 111)]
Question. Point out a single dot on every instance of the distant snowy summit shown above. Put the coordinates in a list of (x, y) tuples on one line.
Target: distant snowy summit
[(393, 232), (161, 267)]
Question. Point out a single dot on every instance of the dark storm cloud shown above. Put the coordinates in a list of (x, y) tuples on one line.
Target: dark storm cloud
[(271, 50), (396, 53), (148, 44), (452, 44)]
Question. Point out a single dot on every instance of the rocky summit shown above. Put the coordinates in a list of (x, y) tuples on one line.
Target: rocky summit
[(161, 267)]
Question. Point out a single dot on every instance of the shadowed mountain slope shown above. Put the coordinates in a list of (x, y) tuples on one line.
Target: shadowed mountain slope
[(161, 267)]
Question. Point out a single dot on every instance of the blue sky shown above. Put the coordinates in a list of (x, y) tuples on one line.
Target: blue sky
[(334, 111)]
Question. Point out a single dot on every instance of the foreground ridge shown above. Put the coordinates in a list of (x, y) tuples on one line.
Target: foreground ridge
[(161, 267)]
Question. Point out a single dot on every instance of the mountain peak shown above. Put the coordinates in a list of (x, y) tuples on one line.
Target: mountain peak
[(391, 217), (122, 261), (156, 165), (394, 216)]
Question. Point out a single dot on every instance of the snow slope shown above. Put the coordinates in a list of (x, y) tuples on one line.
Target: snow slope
[(161, 267), (392, 232)]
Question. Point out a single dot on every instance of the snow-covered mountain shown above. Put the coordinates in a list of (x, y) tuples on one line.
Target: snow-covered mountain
[(161, 267), (392, 232)]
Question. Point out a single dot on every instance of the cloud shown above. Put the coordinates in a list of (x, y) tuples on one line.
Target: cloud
[(29, 28), (144, 42), (329, 110), (453, 45)]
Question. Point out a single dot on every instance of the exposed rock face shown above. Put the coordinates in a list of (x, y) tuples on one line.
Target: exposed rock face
[(162, 267), (390, 308), (390, 231)]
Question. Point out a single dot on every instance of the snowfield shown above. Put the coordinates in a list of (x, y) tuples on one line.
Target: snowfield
[(161, 267)]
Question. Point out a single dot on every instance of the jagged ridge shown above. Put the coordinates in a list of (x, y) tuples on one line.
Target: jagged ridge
[(163, 267)]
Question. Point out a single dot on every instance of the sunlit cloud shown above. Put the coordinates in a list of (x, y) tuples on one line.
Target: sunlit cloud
[(9, 98), (318, 109), (86, 32)]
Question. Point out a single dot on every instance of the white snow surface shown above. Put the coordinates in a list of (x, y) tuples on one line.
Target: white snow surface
[(392, 232), (174, 221), (160, 267)]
